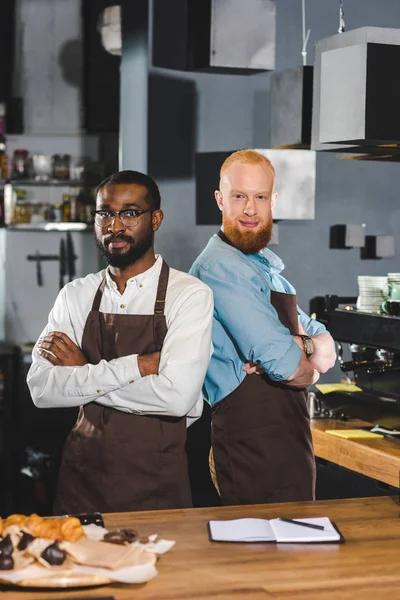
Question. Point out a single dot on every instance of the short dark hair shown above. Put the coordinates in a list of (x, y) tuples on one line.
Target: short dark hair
[(135, 178)]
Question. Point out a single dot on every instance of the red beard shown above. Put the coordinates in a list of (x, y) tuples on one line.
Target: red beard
[(248, 242)]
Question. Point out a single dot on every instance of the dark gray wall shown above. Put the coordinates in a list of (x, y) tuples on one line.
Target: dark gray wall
[(232, 112)]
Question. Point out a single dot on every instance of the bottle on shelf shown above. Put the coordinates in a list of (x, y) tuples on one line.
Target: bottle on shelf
[(66, 208), (57, 216), (9, 202), (2, 222), (3, 152)]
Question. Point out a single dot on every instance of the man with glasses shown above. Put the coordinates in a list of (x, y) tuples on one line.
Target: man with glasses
[(130, 345)]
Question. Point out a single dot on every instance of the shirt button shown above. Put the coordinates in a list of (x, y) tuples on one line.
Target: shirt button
[(122, 305), (132, 381), (98, 391), (265, 261), (140, 284)]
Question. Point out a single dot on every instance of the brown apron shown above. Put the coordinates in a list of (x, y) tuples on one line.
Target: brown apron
[(115, 461), (261, 436)]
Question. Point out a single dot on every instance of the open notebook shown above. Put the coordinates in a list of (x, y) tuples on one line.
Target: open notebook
[(274, 530)]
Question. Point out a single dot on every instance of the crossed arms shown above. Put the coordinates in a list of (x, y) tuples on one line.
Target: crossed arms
[(128, 383)]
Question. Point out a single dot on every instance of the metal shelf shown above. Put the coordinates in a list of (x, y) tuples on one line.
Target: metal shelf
[(50, 227), (49, 182)]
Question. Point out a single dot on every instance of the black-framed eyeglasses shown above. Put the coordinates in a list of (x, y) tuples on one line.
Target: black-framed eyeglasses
[(128, 217)]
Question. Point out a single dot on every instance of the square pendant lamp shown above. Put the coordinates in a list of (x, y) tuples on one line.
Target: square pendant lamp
[(356, 95), (291, 96), (222, 36)]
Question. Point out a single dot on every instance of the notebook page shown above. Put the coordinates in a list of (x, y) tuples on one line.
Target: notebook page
[(290, 532), (241, 530)]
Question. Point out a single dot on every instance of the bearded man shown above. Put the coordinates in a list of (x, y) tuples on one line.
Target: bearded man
[(130, 345), (266, 350)]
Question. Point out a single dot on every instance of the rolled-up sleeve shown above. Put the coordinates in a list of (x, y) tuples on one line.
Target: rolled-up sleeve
[(243, 307), (310, 326)]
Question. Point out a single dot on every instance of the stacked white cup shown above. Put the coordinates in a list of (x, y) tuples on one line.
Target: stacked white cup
[(371, 292)]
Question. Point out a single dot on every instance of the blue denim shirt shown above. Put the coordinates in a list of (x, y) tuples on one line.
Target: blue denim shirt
[(246, 325)]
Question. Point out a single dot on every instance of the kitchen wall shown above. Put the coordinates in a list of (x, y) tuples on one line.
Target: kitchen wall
[(48, 76), (232, 112)]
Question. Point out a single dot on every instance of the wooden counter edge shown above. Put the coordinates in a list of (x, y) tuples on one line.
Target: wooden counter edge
[(378, 459)]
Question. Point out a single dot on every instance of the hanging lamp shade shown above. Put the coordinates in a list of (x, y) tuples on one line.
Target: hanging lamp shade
[(291, 96), (356, 95), (224, 36)]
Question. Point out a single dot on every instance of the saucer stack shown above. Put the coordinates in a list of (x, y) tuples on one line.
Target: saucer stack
[(394, 278), (371, 292)]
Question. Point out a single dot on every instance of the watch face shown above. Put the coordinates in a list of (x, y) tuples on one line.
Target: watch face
[(308, 346)]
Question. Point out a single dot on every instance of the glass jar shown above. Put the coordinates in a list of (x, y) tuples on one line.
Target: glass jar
[(22, 212), (20, 164), (41, 165), (61, 166)]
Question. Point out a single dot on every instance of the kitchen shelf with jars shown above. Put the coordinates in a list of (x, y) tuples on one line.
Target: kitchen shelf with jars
[(48, 193)]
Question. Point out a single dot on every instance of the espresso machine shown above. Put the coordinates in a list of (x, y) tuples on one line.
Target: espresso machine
[(368, 349)]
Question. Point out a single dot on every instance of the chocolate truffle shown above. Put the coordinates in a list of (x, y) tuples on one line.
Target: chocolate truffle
[(6, 562), (115, 537), (24, 542), (130, 535), (6, 546), (54, 555)]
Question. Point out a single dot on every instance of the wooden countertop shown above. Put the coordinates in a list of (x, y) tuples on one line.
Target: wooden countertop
[(379, 459), (366, 566)]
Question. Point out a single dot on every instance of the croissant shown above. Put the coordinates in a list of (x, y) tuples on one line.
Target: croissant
[(68, 529), (15, 519)]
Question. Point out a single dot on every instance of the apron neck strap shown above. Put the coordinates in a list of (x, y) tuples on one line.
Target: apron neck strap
[(159, 305), (98, 296), (223, 237)]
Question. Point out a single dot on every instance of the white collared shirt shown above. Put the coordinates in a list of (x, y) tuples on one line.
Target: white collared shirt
[(187, 348)]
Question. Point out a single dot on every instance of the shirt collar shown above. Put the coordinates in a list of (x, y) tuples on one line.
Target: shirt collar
[(273, 259), (147, 276)]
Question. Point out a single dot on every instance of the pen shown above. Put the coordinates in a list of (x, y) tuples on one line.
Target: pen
[(294, 522)]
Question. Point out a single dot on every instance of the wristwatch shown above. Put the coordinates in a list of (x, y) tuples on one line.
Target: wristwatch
[(308, 344)]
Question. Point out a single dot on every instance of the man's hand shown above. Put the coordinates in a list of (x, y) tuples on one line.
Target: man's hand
[(60, 350), (251, 368), (148, 364)]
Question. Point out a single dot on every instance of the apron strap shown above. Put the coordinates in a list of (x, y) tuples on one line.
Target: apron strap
[(98, 296), (159, 305), (223, 237), (159, 322)]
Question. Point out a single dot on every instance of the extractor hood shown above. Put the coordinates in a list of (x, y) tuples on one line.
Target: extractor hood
[(356, 95)]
